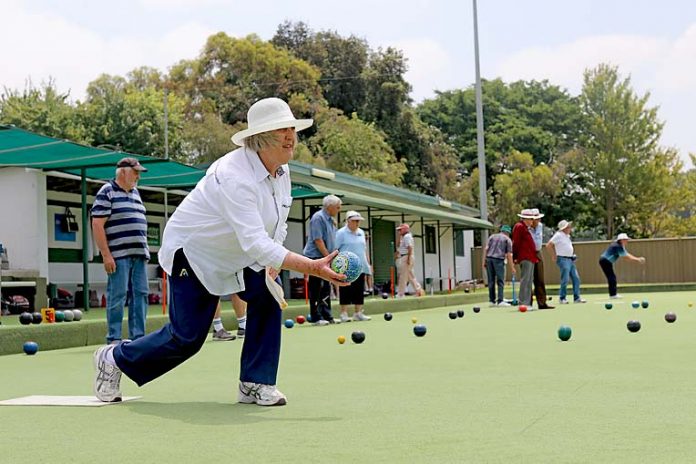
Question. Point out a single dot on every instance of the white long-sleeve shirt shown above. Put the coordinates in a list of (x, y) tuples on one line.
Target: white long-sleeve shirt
[(234, 218)]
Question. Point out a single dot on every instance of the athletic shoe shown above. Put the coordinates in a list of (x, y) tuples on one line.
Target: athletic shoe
[(344, 317), (615, 297), (580, 300), (240, 333), (503, 304), (223, 335), (107, 381), (361, 317), (321, 322), (547, 307), (563, 301), (492, 304), (263, 395)]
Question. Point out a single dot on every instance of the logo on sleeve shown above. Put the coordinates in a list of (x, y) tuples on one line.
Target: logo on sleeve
[(183, 273)]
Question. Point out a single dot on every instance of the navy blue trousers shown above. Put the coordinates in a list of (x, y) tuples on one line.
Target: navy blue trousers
[(191, 312)]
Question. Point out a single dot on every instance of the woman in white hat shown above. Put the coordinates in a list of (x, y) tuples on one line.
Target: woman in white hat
[(561, 248), (616, 250), (352, 238), (226, 237)]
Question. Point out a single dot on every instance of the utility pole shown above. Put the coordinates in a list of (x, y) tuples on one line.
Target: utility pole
[(483, 200)]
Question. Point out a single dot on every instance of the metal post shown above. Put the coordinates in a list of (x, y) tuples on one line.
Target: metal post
[(85, 266), (479, 133), (166, 124), (423, 250), (439, 255)]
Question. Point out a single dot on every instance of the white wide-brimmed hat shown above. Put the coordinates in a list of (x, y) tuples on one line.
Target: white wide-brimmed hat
[(527, 214), (563, 224), (622, 237), (537, 214), (269, 114)]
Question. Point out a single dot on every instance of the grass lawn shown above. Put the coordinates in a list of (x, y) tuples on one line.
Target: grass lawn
[(497, 386)]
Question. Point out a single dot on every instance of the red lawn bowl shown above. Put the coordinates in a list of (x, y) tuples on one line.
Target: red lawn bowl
[(523, 308), (300, 319)]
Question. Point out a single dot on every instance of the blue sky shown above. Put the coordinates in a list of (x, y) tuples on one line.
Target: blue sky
[(653, 42)]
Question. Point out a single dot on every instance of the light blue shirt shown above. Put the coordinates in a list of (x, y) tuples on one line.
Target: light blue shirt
[(538, 236), (355, 242), (321, 226)]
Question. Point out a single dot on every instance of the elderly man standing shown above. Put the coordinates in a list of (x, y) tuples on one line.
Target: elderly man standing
[(537, 231), (120, 231), (524, 254), (405, 261), (321, 242), (561, 248), (498, 249), (225, 238)]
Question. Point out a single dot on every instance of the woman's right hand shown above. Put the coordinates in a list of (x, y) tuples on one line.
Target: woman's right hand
[(323, 270)]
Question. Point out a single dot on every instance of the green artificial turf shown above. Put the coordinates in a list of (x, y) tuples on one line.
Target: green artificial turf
[(497, 386)]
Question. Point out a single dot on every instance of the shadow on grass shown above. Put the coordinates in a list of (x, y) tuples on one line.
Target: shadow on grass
[(213, 413)]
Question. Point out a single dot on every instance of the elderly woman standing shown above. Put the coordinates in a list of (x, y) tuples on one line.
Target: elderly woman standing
[(352, 238), (225, 238)]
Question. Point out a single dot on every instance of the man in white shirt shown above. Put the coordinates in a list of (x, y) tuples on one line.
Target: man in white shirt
[(226, 238), (405, 260), (561, 248)]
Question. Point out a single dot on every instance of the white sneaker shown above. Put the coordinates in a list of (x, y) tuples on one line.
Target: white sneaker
[(563, 301), (580, 300), (615, 297), (321, 322), (361, 317), (263, 395), (345, 317), (503, 303), (107, 381)]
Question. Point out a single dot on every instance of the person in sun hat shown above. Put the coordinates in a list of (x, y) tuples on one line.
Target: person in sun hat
[(405, 261), (616, 250), (537, 231), (226, 237), (352, 238), (524, 253), (561, 248), (119, 225), (497, 250)]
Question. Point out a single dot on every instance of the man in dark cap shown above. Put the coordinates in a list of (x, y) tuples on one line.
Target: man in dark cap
[(120, 231)]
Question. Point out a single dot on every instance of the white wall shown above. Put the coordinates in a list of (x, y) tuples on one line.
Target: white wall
[(23, 219)]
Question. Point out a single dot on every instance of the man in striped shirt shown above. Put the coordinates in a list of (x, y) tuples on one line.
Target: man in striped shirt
[(120, 231)]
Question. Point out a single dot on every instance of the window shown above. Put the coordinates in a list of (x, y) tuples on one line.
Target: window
[(459, 242), (430, 240)]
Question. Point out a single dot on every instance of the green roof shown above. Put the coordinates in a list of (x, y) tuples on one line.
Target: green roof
[(22, 148), (26, 149)]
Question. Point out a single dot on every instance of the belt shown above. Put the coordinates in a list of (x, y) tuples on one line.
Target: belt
[(566, 257), (491, 257), (401, 256)]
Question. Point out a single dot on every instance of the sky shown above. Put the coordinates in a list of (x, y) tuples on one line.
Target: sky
[(653, 43)]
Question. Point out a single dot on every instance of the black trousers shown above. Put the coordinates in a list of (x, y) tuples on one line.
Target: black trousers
[(539, 284), (319, 299), (608, 269)]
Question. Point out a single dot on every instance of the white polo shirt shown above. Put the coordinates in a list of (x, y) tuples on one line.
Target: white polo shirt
[(406, 241), (562, 244), (234, 218)]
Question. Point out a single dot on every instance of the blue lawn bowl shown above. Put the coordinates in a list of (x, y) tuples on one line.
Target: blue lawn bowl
[(635, 305), (347, 263), (608, 305), (419, 330), (31, 348), (289, 323)]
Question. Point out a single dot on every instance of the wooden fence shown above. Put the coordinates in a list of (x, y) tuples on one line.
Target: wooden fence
[(669, 260)]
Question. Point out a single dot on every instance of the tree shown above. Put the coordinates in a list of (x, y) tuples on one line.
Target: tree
[(235, 73), (205, 138), (621, 167), (521, 185), (528, 116), (340, 60), (121, 114), (43, 110), (350, 145)]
